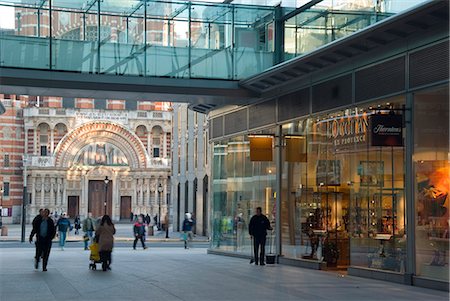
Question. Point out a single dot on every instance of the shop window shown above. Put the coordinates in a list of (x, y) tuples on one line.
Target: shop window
[(6, 189), (431, 185), (239, 186), (343, 201)]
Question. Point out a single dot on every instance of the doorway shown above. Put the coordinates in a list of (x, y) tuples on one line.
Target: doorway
[(125, 207), (73, 203), (98, 196)]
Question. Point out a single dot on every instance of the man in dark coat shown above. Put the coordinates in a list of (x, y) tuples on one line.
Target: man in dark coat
[(259, 224), (45, 231), (35, 223)]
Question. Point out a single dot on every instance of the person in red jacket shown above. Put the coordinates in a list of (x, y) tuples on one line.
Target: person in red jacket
[(139, 232)]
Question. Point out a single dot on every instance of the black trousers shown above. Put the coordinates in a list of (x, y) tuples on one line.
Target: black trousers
[(43, 248), (259, 242), (136, 240), (105, 258)]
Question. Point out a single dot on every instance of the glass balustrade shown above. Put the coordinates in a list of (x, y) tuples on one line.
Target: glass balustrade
[(138, 38), (175, 39)]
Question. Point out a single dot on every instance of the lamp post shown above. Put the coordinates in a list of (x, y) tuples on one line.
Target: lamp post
[(160, 190), (167, 215), (106, 180), (24, 196)]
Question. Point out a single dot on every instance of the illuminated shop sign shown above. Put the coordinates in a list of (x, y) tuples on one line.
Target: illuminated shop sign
[(347, 131), (386, 130)]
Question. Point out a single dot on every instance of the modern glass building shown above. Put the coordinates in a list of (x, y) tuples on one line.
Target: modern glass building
[(352, 96), (339, 197)]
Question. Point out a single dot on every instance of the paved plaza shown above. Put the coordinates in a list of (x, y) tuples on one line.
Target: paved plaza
[(124, 232), (177, 274)]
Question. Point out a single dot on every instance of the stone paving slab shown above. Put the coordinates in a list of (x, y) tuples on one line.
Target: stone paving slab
[(178, 274)]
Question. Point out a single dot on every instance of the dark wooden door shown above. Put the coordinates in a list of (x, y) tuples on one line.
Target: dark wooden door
[(125, 207), (97, 198), (73, 206)]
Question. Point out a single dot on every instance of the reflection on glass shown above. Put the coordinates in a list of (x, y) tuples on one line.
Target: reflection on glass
[(239, 186), (345, 204), (432, 183), (139, 38)]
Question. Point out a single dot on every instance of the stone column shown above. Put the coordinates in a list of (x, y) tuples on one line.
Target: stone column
[(52, 199), (63, 191), (164, 154), (136, 194), (35, 148), (58, 191), (52, 140), (148, 144), (42, 191), (115, 213), (84, 193)]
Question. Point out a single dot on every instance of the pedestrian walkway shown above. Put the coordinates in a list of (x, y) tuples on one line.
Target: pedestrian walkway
[(124, 232), (178, 274)]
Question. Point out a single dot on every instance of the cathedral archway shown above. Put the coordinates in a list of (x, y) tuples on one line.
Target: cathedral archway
[(101, 134)]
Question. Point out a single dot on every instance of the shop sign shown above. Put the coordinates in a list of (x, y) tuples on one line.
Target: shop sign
[(347, 131), (295, 149), (386, 130), (261, 148)]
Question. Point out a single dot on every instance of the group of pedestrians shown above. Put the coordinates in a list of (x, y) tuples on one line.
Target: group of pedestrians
[(45, 228)]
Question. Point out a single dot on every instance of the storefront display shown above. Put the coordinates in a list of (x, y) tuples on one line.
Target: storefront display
[(345, 204), (240, 185), (432, 182)]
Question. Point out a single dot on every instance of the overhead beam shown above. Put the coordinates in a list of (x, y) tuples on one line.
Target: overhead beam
[(136, 8), (301, 9)]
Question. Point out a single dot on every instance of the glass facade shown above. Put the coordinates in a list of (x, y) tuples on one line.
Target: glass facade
[(239, 186), (330, 20), (177, 39), (432, 182), (344, 201), (141, 38)]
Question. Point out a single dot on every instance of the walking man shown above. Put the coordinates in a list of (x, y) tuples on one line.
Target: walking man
[(63, 227), (36, 222), (188, 223), (45, 231), (259, 224), (88, 229)]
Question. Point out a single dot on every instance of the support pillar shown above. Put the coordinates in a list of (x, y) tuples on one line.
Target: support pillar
[(52, 140), (279, 164)]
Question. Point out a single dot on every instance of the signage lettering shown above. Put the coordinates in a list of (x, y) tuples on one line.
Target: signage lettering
[(347, 130), (386, 130)]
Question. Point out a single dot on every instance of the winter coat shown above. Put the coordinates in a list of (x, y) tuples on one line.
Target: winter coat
[(88, 224), (51, 230), (77, 223), (139, 229), (105, 233), (188, 224), (259, 225), (64, 224)]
